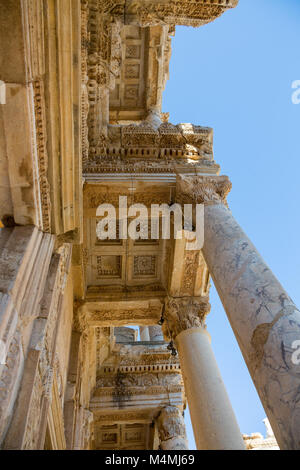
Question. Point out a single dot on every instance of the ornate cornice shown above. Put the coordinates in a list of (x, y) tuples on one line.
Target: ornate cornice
[(146, 147), (186, 12), (183, 313), (135, 366), (202, 189), (125, 392)]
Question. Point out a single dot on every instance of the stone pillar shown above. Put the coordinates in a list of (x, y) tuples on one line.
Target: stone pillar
[(144, 333), (171, 429), (263, 317), (70, 396), (155, 333), (214, 423)]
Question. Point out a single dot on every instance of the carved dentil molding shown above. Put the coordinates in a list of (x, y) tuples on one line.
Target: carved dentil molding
[(183, 313), (202, 189)]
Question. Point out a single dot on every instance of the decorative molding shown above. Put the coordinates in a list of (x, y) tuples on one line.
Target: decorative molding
[(84, 104), (136, 366), (191, 262), (186, 12), (95, 196), (146, 147), (124, 395)]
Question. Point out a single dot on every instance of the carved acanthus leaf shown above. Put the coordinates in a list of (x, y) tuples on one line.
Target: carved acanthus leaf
[(183, 313), (202, 189)]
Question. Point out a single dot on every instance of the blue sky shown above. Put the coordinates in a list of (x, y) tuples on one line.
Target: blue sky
[(236, 75)]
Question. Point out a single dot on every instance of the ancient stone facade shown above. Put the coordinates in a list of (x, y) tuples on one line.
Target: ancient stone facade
[(81, 126)]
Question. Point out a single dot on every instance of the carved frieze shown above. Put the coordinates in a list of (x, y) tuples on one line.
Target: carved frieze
[(122, 416), (124, 317), (144, 380)]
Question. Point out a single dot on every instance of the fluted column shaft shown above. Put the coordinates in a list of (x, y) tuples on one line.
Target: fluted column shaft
[(214, 423), (264, 319)]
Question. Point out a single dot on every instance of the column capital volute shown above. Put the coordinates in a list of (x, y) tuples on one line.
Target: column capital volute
[(183, 313), (202, 189)]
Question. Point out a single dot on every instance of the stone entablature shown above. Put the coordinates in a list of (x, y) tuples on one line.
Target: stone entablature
[(146, 147), (186, 12), (202, 189), (126, 82), (133, 384)]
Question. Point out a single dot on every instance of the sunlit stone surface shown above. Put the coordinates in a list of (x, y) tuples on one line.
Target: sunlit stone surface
[(103, 342)]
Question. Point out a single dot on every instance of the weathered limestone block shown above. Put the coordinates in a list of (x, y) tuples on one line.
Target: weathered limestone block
[(186, 12)]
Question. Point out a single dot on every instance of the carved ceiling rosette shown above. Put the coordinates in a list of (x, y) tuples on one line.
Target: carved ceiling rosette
[(183, 313)]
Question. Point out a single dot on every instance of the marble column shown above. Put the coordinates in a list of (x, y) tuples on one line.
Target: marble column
[(144, 333), (214, 423), (263, 317), (155, 333), (171, 429)]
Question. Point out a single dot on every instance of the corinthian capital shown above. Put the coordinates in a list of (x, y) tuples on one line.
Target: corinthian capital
[(202, 189), (182, 313)]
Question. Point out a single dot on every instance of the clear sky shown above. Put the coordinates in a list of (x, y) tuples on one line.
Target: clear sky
[(236, 75)]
